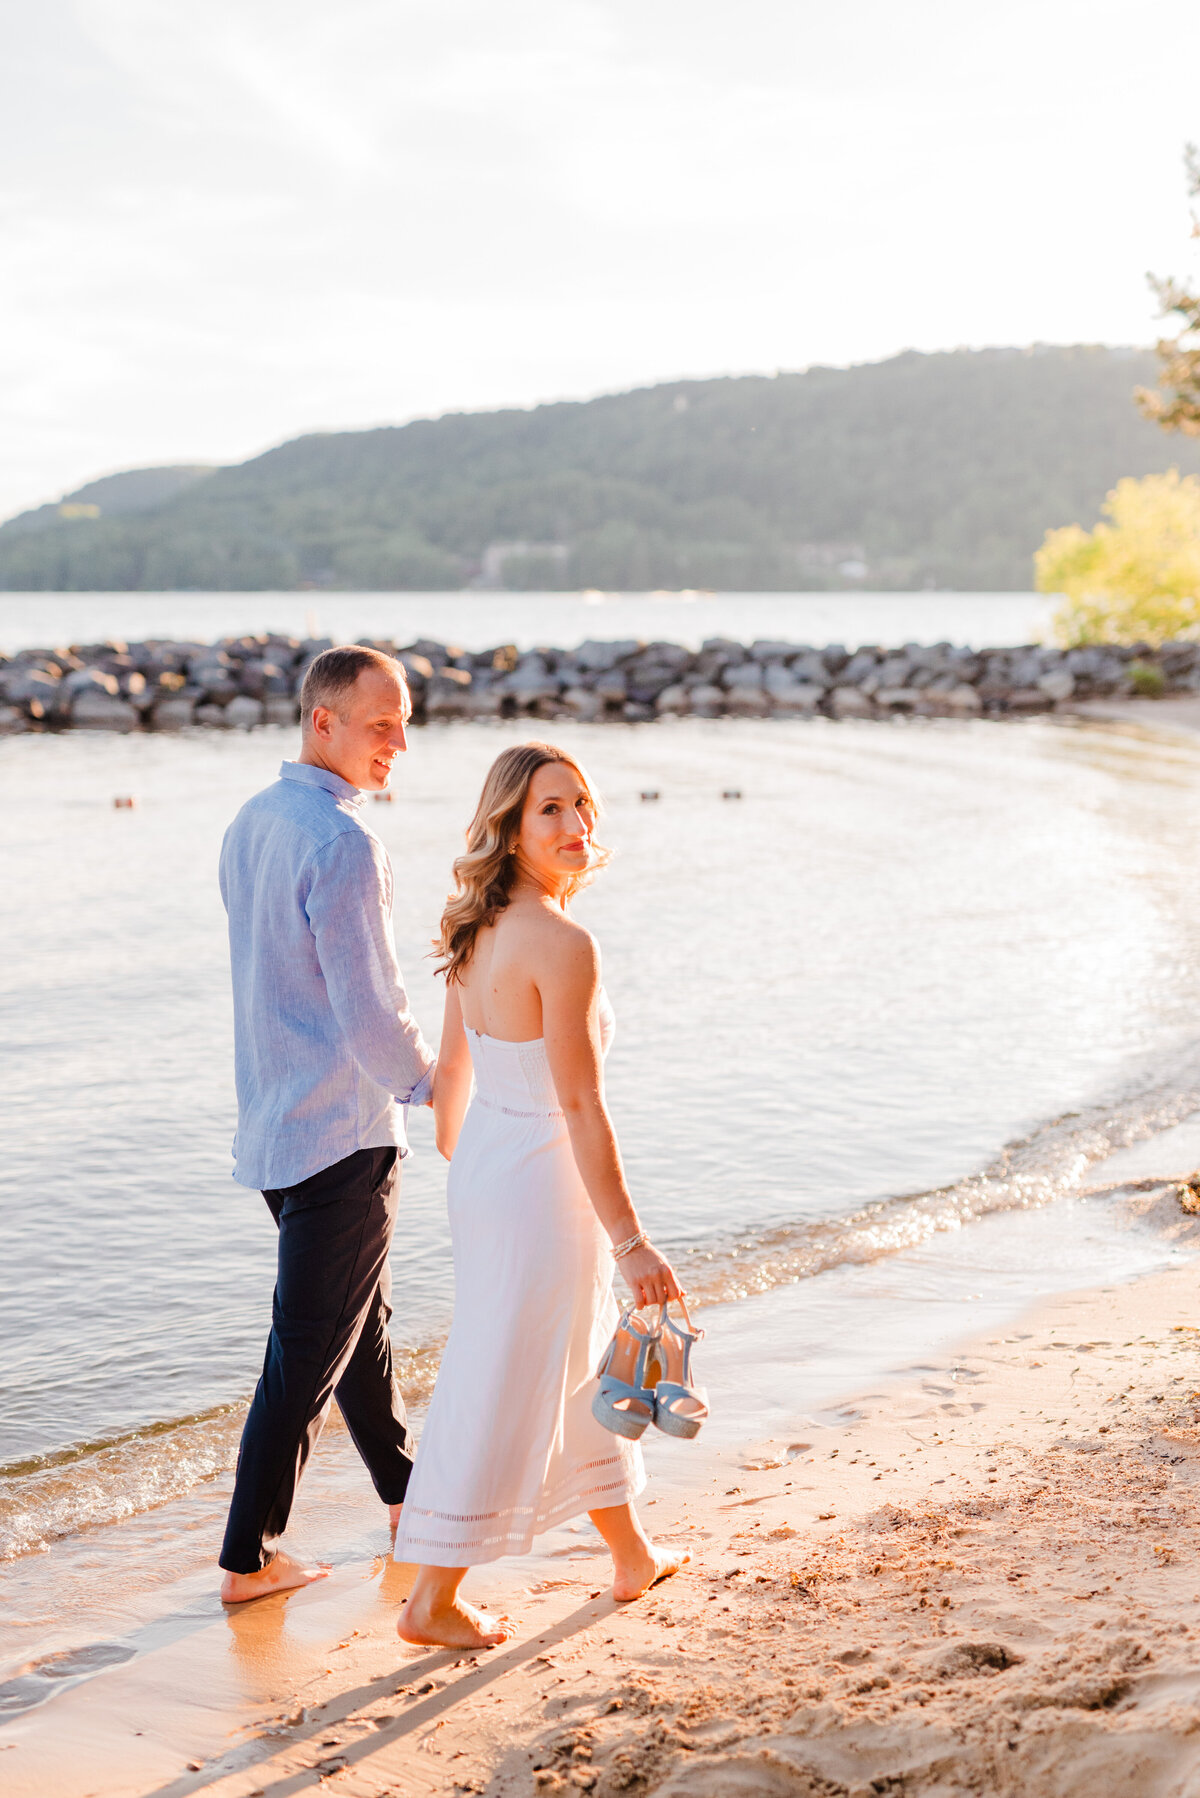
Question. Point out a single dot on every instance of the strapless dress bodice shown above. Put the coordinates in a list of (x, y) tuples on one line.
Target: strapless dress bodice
[(515, 1077)]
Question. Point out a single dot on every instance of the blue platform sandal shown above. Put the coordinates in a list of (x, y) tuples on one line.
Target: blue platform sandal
[(679, 1407), (624, 1399)]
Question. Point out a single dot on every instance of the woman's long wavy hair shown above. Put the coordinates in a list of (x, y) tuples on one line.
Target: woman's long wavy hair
[(484, 876)]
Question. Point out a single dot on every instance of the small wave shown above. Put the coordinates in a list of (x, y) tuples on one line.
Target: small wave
[(1048, 1164), (97, 1483), (77, 1488)]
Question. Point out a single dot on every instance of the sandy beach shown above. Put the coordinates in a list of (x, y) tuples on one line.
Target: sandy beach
[(982, 1577)]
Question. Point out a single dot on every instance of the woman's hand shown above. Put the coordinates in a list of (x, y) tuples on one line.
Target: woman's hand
[(650, 1275)]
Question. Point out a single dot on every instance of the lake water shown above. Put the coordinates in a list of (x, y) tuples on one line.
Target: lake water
[(905, 988), (482, 620)]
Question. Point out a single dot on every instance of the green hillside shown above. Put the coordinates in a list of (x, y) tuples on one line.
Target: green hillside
[(940, 470)]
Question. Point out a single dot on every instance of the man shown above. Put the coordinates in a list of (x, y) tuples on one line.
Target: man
[(326, 1054)]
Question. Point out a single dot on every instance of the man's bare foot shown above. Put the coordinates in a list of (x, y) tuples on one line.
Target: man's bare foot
[(394, 1512), (456, 1625), (280, 1575), (637, 1575)]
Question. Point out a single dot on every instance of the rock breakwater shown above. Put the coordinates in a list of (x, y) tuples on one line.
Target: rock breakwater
[(241, 682)]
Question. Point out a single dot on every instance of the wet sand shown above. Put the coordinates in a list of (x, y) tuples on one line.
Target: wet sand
[(1178, 712), (985, 1577)]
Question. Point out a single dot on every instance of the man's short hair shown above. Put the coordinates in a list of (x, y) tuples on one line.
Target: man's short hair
[(333, 673)]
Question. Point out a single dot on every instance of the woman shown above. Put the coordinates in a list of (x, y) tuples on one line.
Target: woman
[(538, 1206)]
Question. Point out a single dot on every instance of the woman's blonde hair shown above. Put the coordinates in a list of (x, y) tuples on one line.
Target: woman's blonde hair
[(484, 876)]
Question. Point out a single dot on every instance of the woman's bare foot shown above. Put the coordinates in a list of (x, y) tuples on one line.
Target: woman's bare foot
[(454, 1625), (279, 1575), (640, 1571)]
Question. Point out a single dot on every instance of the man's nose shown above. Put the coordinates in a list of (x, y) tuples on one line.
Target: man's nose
[(398, 739)]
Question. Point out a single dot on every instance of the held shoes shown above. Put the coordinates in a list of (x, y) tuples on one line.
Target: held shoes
[(645, 1377), (679, 1407)]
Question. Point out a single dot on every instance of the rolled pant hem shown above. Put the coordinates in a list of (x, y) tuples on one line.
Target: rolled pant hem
[(335, 1232), (264, 1561)]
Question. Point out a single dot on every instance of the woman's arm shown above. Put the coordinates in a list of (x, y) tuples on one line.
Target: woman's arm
[(452, 1081), (569, 984)]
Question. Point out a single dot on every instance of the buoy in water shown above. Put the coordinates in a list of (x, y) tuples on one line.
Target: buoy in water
[(651, 793), (383, 798), (124, 802), (732, 793)]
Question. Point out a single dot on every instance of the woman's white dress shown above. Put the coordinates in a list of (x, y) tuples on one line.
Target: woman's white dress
[(510, 1445)]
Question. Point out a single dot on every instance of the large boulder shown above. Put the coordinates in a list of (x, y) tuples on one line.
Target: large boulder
[(961, 701), (673, 699), (658, 666), (448, 693), (417, 668), (717, 654), (12, 720), (851, 702), (896, 699), (598, 658), (743, 677), (801, 698), (1058, 684), (583, 703), (217, 680), (90, 680), (708, 700), (529, 682), (862, 664), (611, 688), (35, 690), (1026, 668), (278, 709), (436, 654), (1027, 702), (174, 711), (810, 667), (243, 713), (895, 671), (93, 709), (260, 677), (745, 693)]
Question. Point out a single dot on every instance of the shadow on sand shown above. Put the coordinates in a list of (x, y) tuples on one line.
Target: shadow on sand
[(427, 1711)]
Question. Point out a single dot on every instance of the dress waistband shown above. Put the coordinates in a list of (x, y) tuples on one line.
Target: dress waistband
[(510, 1112)]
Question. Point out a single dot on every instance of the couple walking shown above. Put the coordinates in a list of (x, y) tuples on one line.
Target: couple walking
[(327, 1057)]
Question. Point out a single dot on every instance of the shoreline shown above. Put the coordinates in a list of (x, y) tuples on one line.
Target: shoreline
[(1000, 1467), (888, 1622), (246, 682)]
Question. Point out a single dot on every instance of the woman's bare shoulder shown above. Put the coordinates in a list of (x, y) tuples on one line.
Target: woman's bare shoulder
[(568, 944)]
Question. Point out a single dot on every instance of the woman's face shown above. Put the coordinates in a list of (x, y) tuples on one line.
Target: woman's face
[(555, 839)]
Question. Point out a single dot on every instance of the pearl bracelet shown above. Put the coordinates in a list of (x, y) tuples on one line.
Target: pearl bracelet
[(626, 1248)]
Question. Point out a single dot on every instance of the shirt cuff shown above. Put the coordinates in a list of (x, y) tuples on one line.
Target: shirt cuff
[(422, 1092)]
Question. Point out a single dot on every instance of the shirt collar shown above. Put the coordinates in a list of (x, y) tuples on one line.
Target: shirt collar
[(311, 776)]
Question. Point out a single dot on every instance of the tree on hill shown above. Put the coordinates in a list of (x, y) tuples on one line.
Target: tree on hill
[(1177, 406), (922, 471), (1135, 579)]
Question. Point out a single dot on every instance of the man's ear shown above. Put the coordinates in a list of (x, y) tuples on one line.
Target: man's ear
[(320, 720)]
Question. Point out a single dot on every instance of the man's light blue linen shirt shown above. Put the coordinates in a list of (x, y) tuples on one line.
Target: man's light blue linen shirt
[(326, 1051)]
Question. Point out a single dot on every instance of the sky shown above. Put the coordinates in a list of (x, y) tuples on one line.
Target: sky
[(224, 223)]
